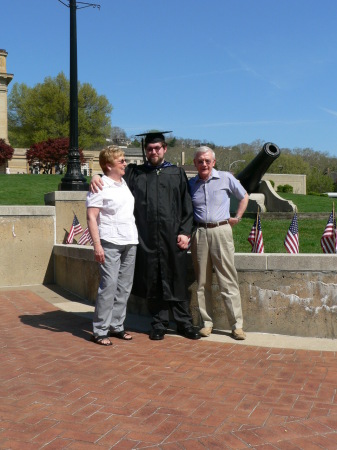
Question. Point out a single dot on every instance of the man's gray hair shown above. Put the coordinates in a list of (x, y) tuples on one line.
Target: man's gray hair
[(203, 149)]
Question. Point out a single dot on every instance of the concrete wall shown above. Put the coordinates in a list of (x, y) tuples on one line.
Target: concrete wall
[(27, 240), (298, 182), (283, 294)]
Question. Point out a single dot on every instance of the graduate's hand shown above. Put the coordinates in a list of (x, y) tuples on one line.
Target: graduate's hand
[(96, 184), (182, 241)]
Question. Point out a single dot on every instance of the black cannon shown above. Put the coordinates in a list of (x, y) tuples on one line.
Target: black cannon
[(250, 177)]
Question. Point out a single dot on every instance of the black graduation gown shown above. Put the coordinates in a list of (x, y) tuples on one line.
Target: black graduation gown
[(163, 210)]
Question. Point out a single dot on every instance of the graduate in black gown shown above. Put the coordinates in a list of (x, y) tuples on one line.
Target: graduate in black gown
[(164, 218)]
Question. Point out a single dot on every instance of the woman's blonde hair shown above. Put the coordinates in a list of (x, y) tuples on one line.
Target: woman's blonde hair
[(109, 155)]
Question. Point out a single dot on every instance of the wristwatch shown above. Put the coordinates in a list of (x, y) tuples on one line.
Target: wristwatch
[(238, 218)]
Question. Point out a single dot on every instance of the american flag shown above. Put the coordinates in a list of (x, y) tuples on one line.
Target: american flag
[(291, 241), (328, 242), (74, 230), (86, 237), (255, 237)]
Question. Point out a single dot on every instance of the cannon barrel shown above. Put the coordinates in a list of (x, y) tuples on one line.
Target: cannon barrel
[(250, 177)]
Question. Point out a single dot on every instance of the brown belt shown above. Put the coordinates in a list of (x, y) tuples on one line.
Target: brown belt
[(211, 225)]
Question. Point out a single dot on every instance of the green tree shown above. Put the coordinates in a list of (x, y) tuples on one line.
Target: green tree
[(319, 183), (172, 142), (289, 163), (134, 143), (42, 112)]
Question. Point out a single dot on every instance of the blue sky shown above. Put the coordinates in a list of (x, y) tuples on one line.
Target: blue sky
[(225, 71)]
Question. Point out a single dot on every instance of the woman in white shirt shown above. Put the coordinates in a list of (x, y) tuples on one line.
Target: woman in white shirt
[(113, 230)]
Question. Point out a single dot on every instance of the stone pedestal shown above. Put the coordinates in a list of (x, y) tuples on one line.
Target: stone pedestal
[(5, 79), (66, 205)]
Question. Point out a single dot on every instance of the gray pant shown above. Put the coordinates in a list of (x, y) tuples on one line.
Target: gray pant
[(114, 288)]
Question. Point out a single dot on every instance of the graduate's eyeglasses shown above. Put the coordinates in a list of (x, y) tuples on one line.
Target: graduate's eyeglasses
[(121, 161), (156, 149)]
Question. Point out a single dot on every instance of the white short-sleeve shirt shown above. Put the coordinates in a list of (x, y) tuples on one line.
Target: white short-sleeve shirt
[(116, 222)]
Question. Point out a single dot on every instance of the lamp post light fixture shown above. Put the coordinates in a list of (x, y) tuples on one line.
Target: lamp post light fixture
[(234, 162), (74, 180)]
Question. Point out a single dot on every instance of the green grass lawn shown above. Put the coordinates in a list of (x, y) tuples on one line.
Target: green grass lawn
[(310, 203), (30, 190), (274, 232), (27, 189)]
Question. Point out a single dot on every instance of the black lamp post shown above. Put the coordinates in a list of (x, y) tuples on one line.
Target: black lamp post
[(74, 180)]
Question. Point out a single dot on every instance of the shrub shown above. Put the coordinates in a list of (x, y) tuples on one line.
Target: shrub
[(6, 152), (287, 188)]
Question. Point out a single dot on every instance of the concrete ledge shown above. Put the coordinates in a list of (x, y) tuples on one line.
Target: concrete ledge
[(27, 211), (75, 251), (250, 261), (64, 196), (308, 262), (302, 262)]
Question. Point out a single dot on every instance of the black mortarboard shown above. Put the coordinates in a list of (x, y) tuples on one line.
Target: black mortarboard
[(154, 136)]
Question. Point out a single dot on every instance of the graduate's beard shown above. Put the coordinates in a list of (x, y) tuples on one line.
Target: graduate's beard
[(155, 161)]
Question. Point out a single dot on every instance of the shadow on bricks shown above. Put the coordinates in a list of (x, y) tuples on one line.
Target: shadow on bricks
[(60, 322)]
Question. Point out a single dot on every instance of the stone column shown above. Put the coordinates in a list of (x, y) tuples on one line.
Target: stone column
[(5, 79)]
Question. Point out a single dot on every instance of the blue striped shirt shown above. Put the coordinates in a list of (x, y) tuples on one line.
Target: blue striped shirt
[(211, 198)]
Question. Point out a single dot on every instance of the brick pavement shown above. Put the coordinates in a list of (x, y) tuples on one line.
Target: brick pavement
[(61, 391)]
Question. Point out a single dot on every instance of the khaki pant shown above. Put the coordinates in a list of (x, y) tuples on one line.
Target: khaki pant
[(214, 247)]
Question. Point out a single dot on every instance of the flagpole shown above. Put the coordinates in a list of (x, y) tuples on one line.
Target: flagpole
[(257, 223), (334, 227)]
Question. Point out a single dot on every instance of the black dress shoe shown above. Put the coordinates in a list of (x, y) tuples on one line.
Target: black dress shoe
[(157, 335), (189, 333)]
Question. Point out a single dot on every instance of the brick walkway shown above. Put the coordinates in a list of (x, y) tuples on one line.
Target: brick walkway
[(61, 391)]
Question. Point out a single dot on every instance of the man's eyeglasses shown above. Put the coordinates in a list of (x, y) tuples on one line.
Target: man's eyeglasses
[(156, 149), (202, 161)]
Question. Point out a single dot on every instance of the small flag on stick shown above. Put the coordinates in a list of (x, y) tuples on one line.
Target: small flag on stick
[(74, 230), (86, 237), (291, 241), (328, 239), (255, 237)]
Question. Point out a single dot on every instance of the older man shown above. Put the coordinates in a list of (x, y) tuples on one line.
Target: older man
[(212, 242)]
